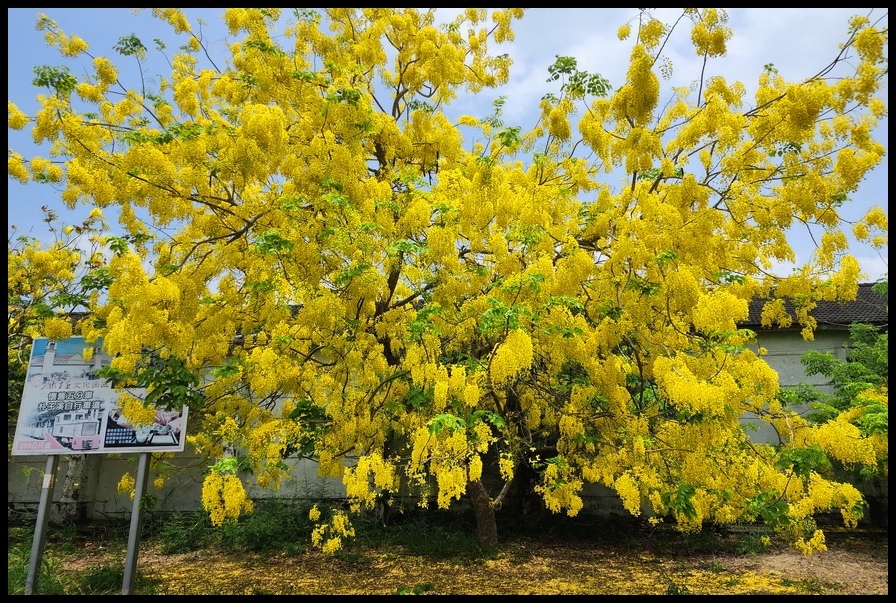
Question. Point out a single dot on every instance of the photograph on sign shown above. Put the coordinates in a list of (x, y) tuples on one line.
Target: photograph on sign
[(67, 408)]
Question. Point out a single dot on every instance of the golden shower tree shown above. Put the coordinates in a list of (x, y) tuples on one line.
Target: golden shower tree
[(326, 264)]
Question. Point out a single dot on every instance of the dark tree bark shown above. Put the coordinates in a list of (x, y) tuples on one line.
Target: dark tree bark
[(484, 511)]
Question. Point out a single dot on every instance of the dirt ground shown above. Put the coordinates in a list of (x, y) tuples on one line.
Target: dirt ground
[(852, 565)]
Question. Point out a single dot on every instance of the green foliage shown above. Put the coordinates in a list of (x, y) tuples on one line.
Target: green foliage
[(344, 277), (19, 542), (101, 580), (866, 367), (169, 382), (276, 525), (97, 280), (681, 500), (406, 246), (119, 245), (770, 507), (57, 79), (445, 422), (422, 323), (510, 137), (449, 422), (674, 588), (313, 419), (130, 45), (577, 83), (803, 461), (271, 242), (500, 317), (184, 532), (858, 382), (753, 542), (64, 542), (436, 535)]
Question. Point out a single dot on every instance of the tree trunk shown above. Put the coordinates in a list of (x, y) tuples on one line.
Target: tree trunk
[(69, 508), (484, 511)]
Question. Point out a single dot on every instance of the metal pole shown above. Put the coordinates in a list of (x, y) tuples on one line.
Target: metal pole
[(40, 528), (130, 564)]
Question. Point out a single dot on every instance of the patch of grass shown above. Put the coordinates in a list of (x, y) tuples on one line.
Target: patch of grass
[(420, 589), (18, 550), (275, 525), (66, 542), (753, 543), (433, 535), (810, 586), (674, 588), (108, 580), (715, 568), (181, 532)]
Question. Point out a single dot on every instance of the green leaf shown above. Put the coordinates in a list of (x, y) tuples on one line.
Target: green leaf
[(440, 423), (271, 242), (803, 461), (58, 79), (130, 45), (681, 500)]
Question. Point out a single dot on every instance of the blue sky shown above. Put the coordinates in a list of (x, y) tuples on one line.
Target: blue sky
[(798, 41)]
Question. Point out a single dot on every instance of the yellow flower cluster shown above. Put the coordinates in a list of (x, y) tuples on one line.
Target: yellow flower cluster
[(875, 220), (843, 440), (822, 494), (719, 311), (57, 329), (629, 493), (127, 485), (329, 536), (684, 389), (224, 497), (69, 46), (506, 466), (105, 70), (810, 546), (709, 35), (475, 468), (452, 483), (175, 17), (560, 491), (371, 475), (15, 167), (15, 118), (512, 357), (135, 411)]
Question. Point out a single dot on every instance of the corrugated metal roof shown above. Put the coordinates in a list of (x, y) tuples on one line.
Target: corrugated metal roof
[(869, 307)]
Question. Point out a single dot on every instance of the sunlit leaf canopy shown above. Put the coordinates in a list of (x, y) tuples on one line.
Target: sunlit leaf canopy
[(414, 299)]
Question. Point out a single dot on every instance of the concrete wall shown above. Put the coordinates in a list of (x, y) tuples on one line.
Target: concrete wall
[(784, 351), (182, 491)]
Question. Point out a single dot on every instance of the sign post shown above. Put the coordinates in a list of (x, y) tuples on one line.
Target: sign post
[(40, 528), (130, 563), (67, 408)]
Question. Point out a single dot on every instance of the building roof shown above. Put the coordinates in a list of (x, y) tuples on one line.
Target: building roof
[(869, 307)]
